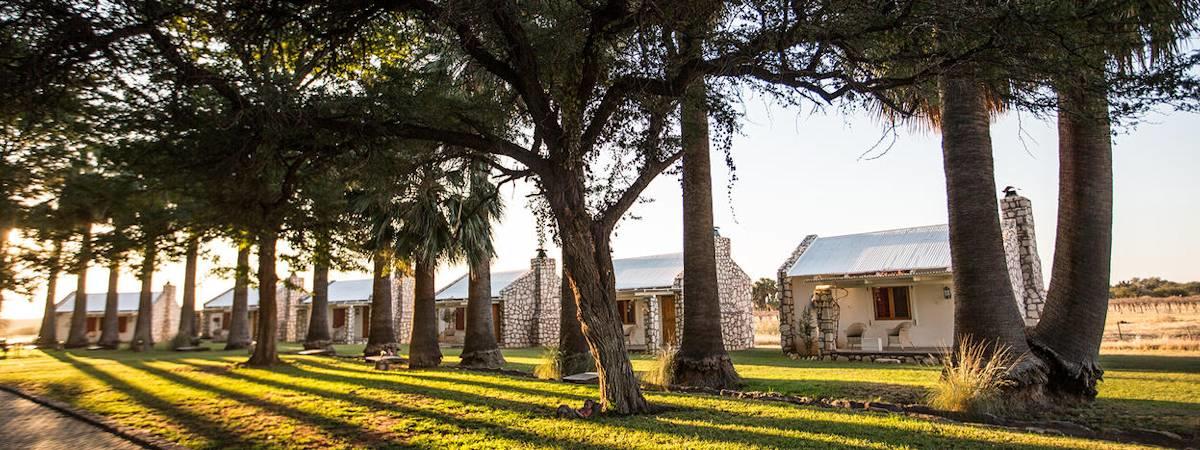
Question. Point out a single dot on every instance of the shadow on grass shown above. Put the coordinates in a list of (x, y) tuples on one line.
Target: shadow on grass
[(1150, 363), (751, 428), (193, 423)]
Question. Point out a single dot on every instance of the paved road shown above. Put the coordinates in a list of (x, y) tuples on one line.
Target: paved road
[(28, 425)]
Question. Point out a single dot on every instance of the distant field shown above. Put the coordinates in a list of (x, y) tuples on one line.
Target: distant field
[(1148, 323)]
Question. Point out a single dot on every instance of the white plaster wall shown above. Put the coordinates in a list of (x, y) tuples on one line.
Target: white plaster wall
[(933, 315)]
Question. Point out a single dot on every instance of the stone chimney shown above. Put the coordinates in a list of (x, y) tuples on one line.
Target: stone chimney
[(168, 292), (1020, 248), (547, 289), (287, 299)]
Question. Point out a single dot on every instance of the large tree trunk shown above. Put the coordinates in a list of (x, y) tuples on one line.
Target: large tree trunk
[(701, 359), (48, 335), (110, 333), (265, 353), (187, 313), (77, 334), (423, 346), (268, 311), (591, 272), (1072, 326), (985, 308), (239, 316), (318, 336), (382, 336), (479, 346), (573, 353), (143, 336)]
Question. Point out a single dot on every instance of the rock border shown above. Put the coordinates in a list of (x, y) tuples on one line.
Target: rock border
[(134, 435), (1048, 427)]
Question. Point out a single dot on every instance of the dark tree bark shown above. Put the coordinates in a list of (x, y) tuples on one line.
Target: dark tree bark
[(573, 353), (423, 347), (187, 313), (590, 270), (77, 334), (701, 359), (265, 353), (480, 349), (143, 336), (1071, 329), (239, 316), (985, 308), (382, 335), (110, 334), (318, 336), (48, 335)]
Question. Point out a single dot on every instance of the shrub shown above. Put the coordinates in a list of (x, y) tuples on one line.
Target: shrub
[(973, 381), (662, 371)]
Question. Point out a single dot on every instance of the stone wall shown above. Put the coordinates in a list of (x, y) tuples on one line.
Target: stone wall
[(1020, 248), (287, 301), (789, 340), (164, 315), (531, 307), (403, 296), (737, 306)]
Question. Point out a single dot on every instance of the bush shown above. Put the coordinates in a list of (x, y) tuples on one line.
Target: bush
[(973, 381), (662, 372)]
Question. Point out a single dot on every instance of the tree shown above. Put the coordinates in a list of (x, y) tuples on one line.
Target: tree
[(185, 336), (155, 224), (239, 314), (82, 201), (480, 205), (765, 293), (382, 335)]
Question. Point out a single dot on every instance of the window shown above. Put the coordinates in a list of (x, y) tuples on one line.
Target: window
[(122, 324), (891, 303), (460, 319), (339, 317), (92, 324), (626, 310)]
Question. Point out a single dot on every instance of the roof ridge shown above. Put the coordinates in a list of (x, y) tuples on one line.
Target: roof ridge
[(936, 225)]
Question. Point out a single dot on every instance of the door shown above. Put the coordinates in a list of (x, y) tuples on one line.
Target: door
[(668, 320), (497, 316), (366, 321)]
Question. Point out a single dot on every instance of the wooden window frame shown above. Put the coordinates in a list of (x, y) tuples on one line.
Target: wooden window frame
[(334, 319), (891, 300), (627, 311)]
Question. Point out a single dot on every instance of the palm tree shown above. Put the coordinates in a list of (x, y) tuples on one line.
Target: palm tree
[(318, 335), (701, 359), (186, 335), (1130, 35), (239, 314), (477, 209), (265, 353), (382, 335), (82, 201)]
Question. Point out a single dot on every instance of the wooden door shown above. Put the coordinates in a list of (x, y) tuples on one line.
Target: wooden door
[(366, 322), (668, 319), (497, 316)]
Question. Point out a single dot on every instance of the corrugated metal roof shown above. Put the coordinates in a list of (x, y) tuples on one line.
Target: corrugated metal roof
[(126, 302), (915, 248), (350, 291), (645, 272), (225, 300), (458, 289)]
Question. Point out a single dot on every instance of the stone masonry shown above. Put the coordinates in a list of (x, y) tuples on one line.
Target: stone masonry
[(788, 338), (1020, 248), (733, 292), (531, 306), (403, 296)]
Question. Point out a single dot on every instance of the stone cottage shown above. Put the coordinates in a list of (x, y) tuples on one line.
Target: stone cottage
[(525, 306), (164, 314), (891, 292), (216, 313), (350, 310), (650, 299)]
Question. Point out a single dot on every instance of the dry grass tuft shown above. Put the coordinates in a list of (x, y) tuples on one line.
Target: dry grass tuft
[(551, 366), (975, 383), (662, 369)]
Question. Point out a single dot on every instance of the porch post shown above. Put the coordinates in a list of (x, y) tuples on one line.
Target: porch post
[(654, 340), (351, 335)]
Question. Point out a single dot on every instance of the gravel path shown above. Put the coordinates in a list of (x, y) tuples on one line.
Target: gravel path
[(28, 425)]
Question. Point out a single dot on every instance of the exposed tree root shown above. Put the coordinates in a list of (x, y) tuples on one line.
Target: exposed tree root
[(318, 345), (485, 359), (376, 349), (713, 371), (573, 363), (1068, 380), (419, 361)]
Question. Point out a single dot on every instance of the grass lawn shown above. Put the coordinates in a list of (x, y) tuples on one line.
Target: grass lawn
[(200, 400)]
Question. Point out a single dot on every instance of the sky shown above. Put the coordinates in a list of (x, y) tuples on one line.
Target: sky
[(801, 172)]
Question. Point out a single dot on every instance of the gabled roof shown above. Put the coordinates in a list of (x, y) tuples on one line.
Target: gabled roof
[(225, 300), (905, 249), (648, 272), (349, 291), (126, 302), (458, 288)]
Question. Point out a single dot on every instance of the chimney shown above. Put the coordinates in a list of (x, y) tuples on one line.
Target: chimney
[(168, 291), (722, 245), (1020, 248)]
